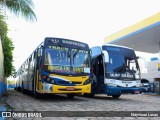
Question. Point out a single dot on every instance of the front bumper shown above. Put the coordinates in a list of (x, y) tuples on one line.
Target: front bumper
[(57, 89), (109, 90), (72, 89)]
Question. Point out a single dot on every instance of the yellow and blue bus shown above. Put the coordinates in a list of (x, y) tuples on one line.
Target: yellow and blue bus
[(57, 66)]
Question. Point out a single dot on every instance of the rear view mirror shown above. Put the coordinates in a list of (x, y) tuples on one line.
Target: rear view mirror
[(106, 56)]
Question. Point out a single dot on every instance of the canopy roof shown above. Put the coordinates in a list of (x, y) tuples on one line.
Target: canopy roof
[(143, 36)]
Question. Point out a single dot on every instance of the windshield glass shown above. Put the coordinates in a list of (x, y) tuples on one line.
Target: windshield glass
[(66, 60), (122, 63), (80, 61), (56, 59), (121, 67), (115, 63)]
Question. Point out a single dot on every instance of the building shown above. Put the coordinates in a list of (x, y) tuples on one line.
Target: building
[(2, 81)]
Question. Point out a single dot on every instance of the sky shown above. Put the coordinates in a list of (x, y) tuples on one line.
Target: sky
[(87, 21)]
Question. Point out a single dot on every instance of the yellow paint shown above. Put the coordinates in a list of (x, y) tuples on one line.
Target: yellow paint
[(84, 89), (37, 80), (147, 22), (72, 78), (82, 79)]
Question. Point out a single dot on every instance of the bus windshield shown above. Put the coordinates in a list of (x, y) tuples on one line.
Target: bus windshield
[(66, 60), (80, 61), (121, 67), (122, 63), (115, 63)]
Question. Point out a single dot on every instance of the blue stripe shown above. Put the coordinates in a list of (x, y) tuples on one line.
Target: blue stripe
[(2, 88), (136, 32)]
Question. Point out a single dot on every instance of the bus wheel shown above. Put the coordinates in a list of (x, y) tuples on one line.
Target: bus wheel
[(23, 90), (90, 95), (70, 95), (116, 96), (37, 95), (15, 88)]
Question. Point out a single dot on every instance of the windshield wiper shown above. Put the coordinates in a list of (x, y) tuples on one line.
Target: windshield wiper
[(59, 44), (120, 69), (75, 53)]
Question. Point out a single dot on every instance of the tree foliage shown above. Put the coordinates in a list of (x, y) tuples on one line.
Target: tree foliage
[(8, 56), (22, 8), (3, 27), (8, 48)]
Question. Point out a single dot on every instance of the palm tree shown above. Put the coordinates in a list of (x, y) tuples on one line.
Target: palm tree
[(22, 8)]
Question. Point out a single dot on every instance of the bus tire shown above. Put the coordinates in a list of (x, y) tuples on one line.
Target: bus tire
[(23, 90), (37, 95), (116, 96), (70, 95), (15, 88), (89, 95)]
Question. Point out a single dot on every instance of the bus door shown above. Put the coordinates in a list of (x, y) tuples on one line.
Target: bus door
[(98, 70), (38, 60)]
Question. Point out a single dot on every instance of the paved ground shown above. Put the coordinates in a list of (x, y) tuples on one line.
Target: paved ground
[(143, 102)]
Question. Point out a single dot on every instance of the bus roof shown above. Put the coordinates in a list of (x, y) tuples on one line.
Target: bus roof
[(65, 42), (113, 45)]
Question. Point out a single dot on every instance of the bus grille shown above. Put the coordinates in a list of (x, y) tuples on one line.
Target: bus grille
[(62, 89), (76, 82), (67, 82), (63, 82)]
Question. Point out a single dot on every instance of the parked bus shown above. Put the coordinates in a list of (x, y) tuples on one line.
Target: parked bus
[(115, 71), (57, 66)]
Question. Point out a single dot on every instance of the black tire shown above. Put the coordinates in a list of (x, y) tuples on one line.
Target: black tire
[(70, 95), (15, 88), (89, 95), (37, 95), (116, 96), (23, 90)]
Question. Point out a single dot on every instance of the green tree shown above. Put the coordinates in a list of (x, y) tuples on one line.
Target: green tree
[(22, 8), (3, 27), (8, 57)]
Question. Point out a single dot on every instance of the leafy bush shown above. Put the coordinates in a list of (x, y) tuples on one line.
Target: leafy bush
[(8, 48), (8, 57)]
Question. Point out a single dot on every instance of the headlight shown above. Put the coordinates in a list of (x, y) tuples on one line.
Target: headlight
[(52, 81), (87, 82), (111, 84), (48, 79)]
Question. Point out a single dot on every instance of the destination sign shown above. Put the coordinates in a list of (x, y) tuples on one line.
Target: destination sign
[(73, 43), (66, 69), (65, 42), (128, 75), (58, 48), (58, 68)]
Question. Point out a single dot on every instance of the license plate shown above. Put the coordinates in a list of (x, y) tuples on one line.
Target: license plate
[(70, 88), (136, 92)]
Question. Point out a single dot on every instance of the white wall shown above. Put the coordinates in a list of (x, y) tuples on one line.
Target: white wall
[(2, 83), (152, 71)]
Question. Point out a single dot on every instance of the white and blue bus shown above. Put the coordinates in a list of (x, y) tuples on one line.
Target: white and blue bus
[(115, 70)]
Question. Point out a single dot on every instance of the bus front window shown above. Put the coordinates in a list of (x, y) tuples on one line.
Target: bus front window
[(116, 63), (80, 61), (56, 59)]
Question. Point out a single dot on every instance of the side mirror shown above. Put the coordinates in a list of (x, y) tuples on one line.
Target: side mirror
[(106, 56)]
